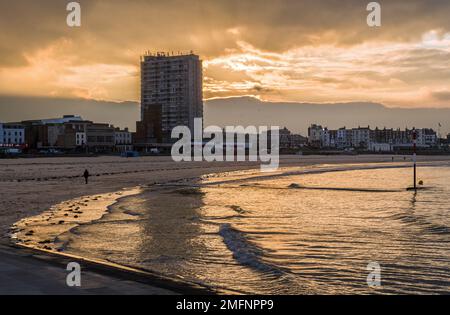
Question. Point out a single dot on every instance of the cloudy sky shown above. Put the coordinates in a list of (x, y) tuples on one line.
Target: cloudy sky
[(276, 50)]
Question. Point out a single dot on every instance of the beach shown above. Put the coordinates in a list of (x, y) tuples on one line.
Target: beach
[(28, 187)]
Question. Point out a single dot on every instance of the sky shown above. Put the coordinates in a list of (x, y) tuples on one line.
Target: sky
[(275, 50)]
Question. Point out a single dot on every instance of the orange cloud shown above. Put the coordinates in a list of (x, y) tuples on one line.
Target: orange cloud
[(284, 50)]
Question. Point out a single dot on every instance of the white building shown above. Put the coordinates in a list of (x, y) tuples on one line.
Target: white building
[(363, 138), (426, 138), (123, 140), (12, 134)]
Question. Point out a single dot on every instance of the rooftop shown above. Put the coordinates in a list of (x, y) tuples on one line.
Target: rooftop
[(168, 55)]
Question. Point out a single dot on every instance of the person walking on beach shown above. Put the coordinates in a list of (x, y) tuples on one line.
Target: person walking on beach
[(86, 176)]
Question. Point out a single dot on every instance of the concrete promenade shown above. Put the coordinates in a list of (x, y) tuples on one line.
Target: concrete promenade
[(25, 272)]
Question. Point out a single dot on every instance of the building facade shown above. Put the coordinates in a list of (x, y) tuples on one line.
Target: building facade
[(365, 138), (100, 137), (285, 138), (74, 135), (297, 141), (47, 133), (361, 138), (315, 135), (67, 134), (427, 137), (289, 140), (344, 138), (12, 134), (123, 140), (171, 95)]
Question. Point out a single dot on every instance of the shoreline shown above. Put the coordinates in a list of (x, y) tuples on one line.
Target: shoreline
[(115, 271), (57, 256), (149, 278), (64, 217)]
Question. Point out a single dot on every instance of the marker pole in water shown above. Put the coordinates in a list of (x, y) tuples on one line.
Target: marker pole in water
[(415, 158)]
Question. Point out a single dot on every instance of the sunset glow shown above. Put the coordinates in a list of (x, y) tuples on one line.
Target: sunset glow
[(273, 54)]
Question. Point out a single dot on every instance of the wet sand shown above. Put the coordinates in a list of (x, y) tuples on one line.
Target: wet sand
[(63, 217)]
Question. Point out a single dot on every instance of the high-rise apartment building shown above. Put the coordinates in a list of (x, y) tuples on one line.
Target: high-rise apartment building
[(171, 95)]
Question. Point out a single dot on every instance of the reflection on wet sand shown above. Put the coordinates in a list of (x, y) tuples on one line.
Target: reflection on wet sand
[(171, 228)]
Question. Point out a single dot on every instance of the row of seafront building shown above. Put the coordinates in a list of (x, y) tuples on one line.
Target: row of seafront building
[(69, 133), (374, 140), (74, 134)]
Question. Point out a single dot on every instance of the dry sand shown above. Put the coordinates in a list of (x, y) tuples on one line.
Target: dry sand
[(31, 186)]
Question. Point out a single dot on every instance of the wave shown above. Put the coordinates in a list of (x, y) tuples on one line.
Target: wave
[(314, 170), (422, 223), (247, 253)]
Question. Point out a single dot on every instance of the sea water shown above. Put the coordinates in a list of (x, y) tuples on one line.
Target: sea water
[(299, 231)]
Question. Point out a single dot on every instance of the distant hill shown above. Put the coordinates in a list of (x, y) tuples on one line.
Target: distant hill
[(123, 114), (235, 111), (298, 116)]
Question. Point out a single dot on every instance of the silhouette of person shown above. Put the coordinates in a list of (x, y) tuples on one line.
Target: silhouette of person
[(86, 176)]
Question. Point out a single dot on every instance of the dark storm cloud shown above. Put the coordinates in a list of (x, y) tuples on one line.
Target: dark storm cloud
[(310, 50), (109, 27)]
